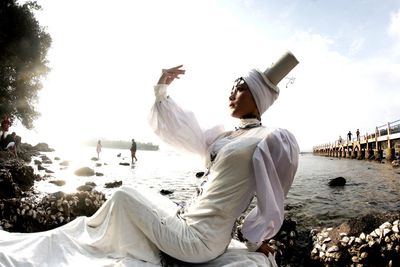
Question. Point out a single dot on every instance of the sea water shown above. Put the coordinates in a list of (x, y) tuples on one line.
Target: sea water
[(370, 187)]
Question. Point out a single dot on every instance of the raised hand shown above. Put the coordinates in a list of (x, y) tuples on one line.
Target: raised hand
[(168, 75)]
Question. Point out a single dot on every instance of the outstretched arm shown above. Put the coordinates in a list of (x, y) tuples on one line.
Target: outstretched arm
[(169, 75), (176, 126)]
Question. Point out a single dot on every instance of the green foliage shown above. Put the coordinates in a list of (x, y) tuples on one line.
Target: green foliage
[(23, 49)]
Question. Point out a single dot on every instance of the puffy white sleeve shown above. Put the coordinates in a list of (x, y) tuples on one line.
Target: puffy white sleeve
[(177, 127), (275, 163)]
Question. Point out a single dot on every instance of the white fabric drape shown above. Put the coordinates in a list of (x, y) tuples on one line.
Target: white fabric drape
[(125, 232)]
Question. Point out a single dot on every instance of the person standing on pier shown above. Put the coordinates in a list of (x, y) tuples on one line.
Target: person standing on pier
[(358, 135), (349, 134)]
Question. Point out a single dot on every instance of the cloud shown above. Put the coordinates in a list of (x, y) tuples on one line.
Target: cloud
[(356, 46), (394, 27)]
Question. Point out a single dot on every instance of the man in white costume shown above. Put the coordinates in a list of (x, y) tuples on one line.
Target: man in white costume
[(134, 226)]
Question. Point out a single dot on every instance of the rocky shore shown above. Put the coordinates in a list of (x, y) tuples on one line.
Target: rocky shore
[(21, 210), (371, 240)]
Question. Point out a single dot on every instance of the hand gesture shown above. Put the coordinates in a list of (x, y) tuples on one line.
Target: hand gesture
[(266, 249), (168, 75)]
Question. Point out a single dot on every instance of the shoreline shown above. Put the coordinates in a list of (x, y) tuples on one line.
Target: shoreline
[(294, 242)]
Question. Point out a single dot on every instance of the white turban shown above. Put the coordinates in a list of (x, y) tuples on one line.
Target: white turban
[(263, 95)]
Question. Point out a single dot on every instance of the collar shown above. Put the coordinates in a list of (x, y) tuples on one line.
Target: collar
[(248, 123)]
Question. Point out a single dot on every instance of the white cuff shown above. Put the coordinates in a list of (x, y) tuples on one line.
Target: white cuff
[(253, 246), (160, 91)]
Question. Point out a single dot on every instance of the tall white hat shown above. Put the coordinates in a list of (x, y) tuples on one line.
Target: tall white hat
[(264, 85), (274, 74)]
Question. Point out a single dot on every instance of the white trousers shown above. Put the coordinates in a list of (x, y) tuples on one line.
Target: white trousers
[(140, 222)]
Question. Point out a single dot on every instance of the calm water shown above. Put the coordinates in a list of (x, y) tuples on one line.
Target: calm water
[(370, 186)]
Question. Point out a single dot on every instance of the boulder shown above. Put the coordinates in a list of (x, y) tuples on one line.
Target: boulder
[(84, 171), (64, 163), (86, 188), (113, 184), (338, 181), (166, 192), (43, 147), (396, 163), (58, 182)]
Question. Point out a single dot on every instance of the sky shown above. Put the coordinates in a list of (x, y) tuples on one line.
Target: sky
[(106, 56)]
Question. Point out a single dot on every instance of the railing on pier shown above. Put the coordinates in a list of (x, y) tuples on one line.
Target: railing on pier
[(385, 136)]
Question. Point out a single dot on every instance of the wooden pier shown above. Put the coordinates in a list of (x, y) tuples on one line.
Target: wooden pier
[(383, 143)]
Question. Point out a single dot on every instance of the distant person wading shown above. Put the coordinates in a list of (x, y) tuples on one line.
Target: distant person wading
[(133, 151), (98, 149)]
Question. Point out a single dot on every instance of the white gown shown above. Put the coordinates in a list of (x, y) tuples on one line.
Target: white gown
[(133, 226)]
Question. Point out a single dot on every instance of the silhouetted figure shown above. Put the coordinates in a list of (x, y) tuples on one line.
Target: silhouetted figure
[(98, 149), (133, 151), (349, 134)]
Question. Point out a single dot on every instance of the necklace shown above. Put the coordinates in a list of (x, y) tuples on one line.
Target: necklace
[(248, 124)]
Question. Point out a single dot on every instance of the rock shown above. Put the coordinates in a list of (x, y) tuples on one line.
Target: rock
[(58, 182), (99, 174), (94, 159), (41, 168), (22, 175), (43, 147), (199, 174), (119, 155), (91, 184), (86, 188), (84, 171), (396, 163), (113, 184), (350, 242), (338, 181), (25, 215), (124, 163), (64, 163), (56, 158), (98, 164), (166, 192), (8, 188)]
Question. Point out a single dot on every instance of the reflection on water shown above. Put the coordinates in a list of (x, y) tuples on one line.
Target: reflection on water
[(154, 169), (370, 186)]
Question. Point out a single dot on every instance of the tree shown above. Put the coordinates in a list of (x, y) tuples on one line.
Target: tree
[(23, 50)]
